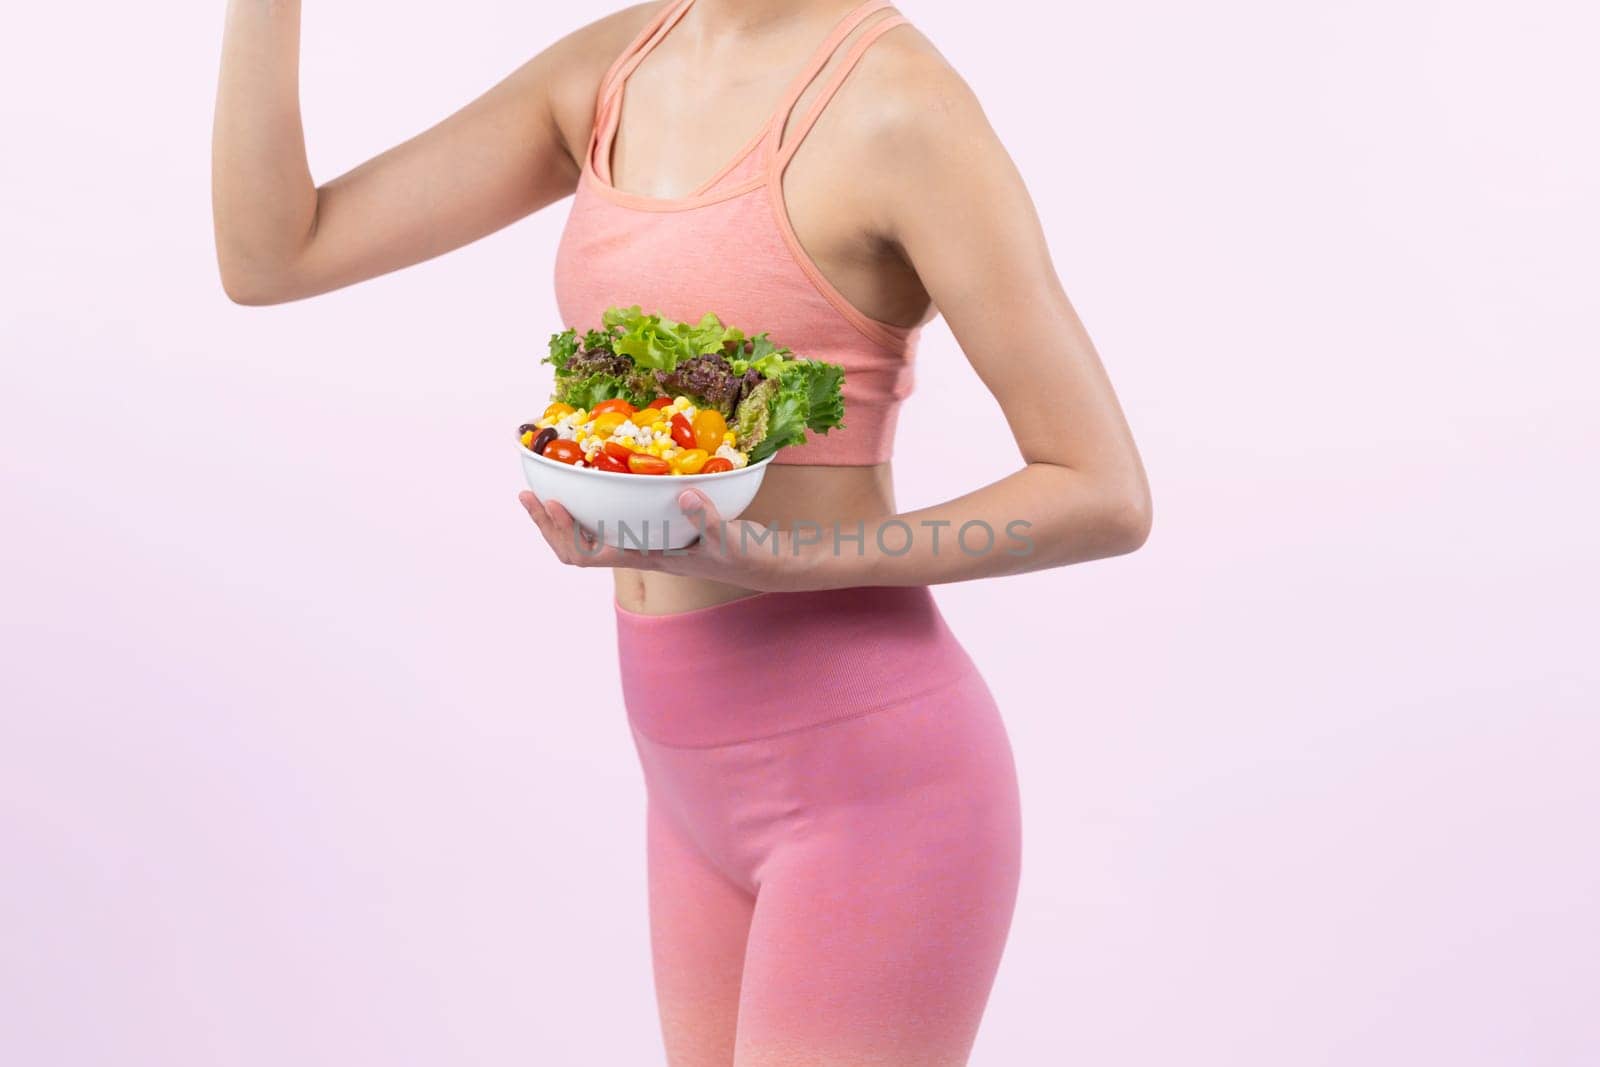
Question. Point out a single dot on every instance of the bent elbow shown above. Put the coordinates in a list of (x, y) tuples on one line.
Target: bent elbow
[(249, 289), (242, 293), (254, 277), (1128, 519)]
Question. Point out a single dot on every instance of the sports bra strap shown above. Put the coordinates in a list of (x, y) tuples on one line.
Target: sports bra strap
[(630, 57), (772, 142), (819, 59), (607, 110), (784, 148)]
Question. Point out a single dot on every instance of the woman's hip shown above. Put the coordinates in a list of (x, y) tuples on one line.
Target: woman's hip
[(771, 663), (802, 728)]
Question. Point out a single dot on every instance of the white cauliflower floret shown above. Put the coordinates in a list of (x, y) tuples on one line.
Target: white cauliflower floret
[(567, 427), (628, 431), (732, 455)]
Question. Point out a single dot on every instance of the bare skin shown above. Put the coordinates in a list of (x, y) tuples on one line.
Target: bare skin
[(902, 194)]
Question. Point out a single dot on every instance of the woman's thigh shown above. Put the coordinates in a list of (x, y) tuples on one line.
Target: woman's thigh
[(879, 928), (699, 923)]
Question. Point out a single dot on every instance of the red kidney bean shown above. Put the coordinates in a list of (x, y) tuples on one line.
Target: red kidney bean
[(546, 435)]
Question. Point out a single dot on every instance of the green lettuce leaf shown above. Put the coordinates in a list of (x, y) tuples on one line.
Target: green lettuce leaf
[(823, 383), (586, 392), (762, 354), (804, 395), (563, 346), (786, 422), (658, 343), (751, 417)]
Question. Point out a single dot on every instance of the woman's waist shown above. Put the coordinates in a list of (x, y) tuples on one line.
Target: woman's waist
[(771, 662)]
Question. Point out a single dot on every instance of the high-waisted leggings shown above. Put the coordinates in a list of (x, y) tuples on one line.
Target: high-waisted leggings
[(833, 829)]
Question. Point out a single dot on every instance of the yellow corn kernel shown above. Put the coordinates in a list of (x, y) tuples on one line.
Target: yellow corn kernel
[(679, 403), (527, 439), (728, 438)]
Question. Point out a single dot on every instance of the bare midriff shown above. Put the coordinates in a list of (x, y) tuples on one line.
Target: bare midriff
[(790, 493)]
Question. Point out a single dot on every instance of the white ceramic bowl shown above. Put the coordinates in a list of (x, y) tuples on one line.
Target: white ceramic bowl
[(638, 510)]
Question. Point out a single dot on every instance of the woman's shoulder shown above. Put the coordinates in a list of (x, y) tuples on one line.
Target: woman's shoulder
[(581, 59), (903, 96), (905, 84)]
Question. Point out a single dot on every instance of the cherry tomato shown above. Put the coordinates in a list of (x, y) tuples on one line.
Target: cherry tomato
[(716, 465), (661, 402), (605, 461), (617, 449), (689, 461), (645, 416), (709, 426), (556, 410), (564, 451), (683, 433), (644, 463), (616, 404), (606, 423)]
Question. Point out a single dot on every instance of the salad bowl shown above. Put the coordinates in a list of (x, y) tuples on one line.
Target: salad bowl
[(638, 511)]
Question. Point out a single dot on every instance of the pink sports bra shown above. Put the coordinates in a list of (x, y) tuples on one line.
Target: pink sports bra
[(729, 247)]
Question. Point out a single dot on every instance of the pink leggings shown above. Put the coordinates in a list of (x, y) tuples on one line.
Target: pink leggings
[(834, 837)]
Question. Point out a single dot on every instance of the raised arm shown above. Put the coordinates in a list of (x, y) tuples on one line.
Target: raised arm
[(511, 151)]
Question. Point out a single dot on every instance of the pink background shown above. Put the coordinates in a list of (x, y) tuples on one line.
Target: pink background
[(312, 754)]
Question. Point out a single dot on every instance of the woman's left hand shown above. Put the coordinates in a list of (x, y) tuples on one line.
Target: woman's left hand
[(740, 553)]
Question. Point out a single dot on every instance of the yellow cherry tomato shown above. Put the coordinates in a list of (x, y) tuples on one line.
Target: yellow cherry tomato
[(709, 426), (605, 425), (690, 460), (645, 416), (639, 463), (558, 409)]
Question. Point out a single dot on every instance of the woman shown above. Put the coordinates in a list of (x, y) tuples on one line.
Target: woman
[(832, 819)]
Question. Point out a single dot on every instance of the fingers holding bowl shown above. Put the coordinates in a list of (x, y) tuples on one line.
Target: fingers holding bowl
[(536, 511), (708, 522), (582, 548), (573, 543), (555, 523)]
